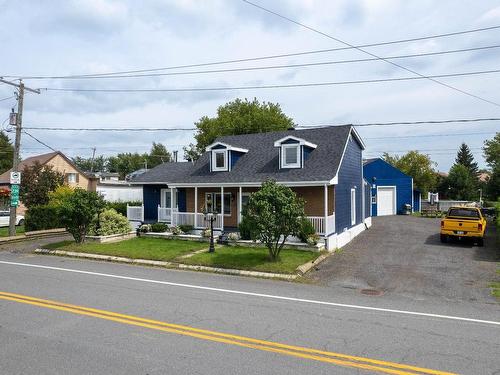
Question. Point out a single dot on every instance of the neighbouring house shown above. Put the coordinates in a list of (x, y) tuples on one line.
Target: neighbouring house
[(73, 176), (113, 189), (323, 166), (391, 189)]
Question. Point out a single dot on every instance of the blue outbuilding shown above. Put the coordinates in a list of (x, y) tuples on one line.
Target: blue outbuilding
[(391, 189)]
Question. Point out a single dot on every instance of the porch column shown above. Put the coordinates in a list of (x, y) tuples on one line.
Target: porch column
[(325, 195), (196, 206), (172, 206), (222, 206), (239, 204)]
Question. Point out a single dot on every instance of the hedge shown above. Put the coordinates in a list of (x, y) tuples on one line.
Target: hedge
[(121, 207), (42, 217)]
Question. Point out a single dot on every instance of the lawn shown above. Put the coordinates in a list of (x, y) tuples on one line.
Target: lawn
[(495, 289), (4, 231), (252, 258), (136, 248)]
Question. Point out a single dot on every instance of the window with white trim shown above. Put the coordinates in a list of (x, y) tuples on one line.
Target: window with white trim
[(213, 202), (219, 160), (353, 206), (290, 156), (71, 178)]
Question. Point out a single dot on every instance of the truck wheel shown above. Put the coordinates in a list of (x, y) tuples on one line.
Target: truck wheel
[(480, 242), (444, 238)]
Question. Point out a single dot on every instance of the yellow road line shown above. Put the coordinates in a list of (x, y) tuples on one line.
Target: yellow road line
[(296, 351)]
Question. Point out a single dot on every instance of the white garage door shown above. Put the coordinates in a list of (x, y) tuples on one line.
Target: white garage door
[(386, 197)]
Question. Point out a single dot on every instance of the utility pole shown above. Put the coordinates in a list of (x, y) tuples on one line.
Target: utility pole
[(92, 163), (17, 144)]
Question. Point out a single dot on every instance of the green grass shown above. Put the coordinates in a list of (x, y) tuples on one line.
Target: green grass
[(4, 231), (252, 258), (136, 248), (495, 289)]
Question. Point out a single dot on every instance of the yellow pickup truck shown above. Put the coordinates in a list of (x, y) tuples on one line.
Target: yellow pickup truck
[(461, 222)]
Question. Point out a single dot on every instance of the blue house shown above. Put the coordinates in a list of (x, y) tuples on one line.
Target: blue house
[(323, 166), (391, 189)]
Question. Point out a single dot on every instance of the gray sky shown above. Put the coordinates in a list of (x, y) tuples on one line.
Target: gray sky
[(96, 36)]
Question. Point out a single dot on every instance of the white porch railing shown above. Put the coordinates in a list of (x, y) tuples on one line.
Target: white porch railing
[(318, 223), (165, 214), (135, 213)]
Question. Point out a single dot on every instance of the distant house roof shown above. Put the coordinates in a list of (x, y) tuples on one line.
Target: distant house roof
[(261, 162), (41, 159)]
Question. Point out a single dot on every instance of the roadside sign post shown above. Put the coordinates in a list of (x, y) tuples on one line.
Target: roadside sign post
[(14, 195)]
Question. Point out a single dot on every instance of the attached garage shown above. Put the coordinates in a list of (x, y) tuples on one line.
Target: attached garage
[(386, 204)]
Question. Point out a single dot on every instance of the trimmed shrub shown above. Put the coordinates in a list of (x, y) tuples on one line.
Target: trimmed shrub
[(186, 228), (121, 207), (159, 227), (206, 233), (306, 229), (43, 217), (144, 228), (110, 222), (233, 236), (246, 229), (313, 239)]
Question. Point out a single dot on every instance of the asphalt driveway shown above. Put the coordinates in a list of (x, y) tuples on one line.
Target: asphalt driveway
[(403, 255)]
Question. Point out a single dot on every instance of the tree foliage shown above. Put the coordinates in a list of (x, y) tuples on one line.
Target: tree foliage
[(6, 153), (491, 151), (78, 211), (37, 182), (461, 184), (417, 165), (158, 155), (465, 158), (275, 213), (89, 165), (234, 118)]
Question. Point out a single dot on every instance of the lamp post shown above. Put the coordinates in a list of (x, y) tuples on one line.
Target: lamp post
[(480, 197), (211, 217)]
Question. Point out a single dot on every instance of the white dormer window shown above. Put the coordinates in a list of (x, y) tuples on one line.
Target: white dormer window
[(290, 156), (219, 160)]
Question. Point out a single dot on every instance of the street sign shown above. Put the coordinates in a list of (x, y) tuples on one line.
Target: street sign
[(14, 195), (15, 178)]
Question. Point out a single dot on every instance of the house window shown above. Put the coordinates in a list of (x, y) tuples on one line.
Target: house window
[(290, 156), (353, 206), (213, 202), (166, 198), (219, 160), (71, 178)]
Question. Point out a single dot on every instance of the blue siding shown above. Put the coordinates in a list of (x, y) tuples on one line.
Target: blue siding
[(381, 173), (181, 197), (416, 200), (307, 151), (368, 202), (234, 156), (349, 176), (151, 199)]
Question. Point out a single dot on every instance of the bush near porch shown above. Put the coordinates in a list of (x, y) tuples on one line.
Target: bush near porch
[(135, 248), (252, 259)]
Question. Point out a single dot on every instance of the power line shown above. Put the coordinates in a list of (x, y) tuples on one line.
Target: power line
[(431, 78), (428, 135), (136, 129), (277, 86), (39, 141), (261, 57), (7, 98), (284, 66)]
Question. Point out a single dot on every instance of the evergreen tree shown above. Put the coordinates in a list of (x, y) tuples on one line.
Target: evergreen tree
[(465, 158)]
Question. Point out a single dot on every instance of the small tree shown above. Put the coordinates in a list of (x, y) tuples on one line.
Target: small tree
[(37, 182), (275, 213), (465, 157), (78, 211), (462, 185)]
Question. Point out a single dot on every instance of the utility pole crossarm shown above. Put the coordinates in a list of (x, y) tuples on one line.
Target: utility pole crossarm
[(36, 91)]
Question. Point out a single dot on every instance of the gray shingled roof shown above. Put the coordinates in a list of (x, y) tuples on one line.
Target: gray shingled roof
[(261, 162)]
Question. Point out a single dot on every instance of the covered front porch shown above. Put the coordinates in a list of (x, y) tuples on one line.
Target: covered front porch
[(180, 205)]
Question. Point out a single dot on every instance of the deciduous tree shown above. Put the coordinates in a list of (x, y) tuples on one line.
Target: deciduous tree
[(491, 151), (274, 212), (237, 117), (37, 182), (6, 153), (461, 184)]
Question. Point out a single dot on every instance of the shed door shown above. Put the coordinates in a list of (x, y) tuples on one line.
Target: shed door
[(386, 198)]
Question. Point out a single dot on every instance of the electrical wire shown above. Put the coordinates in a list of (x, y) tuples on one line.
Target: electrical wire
[(285, 66), (39, 141), (7, 98), (428, 135), (259, 58), (277, 86), (431, 78)]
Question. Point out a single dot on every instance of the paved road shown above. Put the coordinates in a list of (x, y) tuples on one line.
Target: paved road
[(40, 338), (403, 255)]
